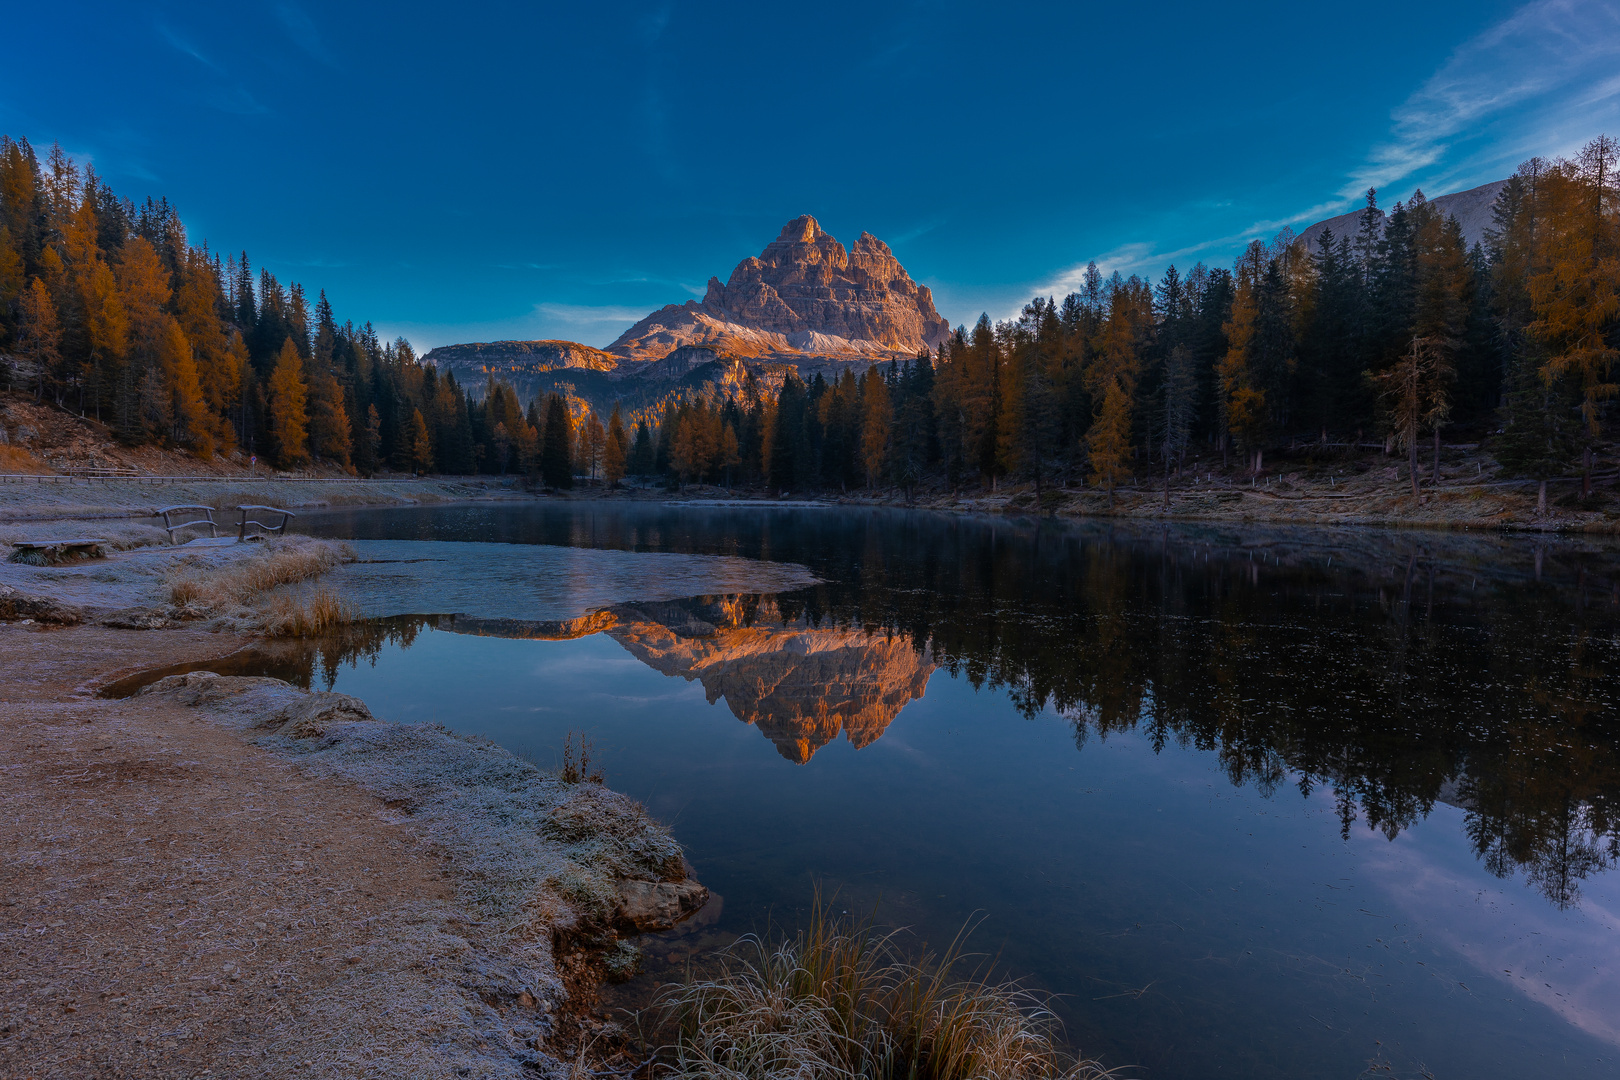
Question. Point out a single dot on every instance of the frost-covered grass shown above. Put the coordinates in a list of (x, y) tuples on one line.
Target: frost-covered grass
[(841, 1002), (474, 988), (284, 561), (120, 535)]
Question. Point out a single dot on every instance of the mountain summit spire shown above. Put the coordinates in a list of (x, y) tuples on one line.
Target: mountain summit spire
[(804, 294), (802, 229)]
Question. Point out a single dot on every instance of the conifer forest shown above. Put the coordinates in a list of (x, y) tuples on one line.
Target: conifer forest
[(1403, 337)]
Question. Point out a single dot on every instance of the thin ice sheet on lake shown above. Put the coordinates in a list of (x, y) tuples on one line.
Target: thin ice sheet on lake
[(531, 581)]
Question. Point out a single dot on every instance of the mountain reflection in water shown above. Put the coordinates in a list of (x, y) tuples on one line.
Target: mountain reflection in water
[(1395, 670), (800, 683)]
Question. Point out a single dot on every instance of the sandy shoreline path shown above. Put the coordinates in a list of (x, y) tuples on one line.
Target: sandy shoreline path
[(173, 897), (235, 877)]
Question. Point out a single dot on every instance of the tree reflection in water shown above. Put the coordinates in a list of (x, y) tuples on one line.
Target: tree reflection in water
[(1395, 669)]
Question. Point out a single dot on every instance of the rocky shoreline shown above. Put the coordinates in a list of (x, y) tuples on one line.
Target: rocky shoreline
[(551, 879), (498, 897)]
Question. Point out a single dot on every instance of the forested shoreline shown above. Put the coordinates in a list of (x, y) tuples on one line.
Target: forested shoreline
[(1399, 336)]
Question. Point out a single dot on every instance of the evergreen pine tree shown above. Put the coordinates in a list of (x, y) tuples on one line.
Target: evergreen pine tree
[(642, 461), (1541, 430), (556, 465)]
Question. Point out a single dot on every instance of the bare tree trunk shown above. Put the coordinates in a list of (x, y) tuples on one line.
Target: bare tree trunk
[(1434, 478), (1411, 455), (1541, 499), (1586, 473)]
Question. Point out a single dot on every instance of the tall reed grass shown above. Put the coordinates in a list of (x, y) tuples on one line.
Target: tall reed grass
[(320, 612), (841, 1002)]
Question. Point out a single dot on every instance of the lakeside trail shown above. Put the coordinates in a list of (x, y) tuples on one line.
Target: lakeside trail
[(174, 897), (236, 877)]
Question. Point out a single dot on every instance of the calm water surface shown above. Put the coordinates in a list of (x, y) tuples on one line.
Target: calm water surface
[(1261, 804)]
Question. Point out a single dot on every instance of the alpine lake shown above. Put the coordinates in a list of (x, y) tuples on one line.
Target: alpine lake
[(1239, 801)]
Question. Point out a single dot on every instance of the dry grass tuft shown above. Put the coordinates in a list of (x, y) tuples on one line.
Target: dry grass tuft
[(303, 616), (576, 766), (841, 1003), (282, 562)]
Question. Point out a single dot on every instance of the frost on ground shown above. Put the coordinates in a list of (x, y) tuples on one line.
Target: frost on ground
[(137, 497), (222, 584), (547, 874)]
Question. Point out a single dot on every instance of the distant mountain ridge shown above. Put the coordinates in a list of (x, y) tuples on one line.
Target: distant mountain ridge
[(1471, 208)]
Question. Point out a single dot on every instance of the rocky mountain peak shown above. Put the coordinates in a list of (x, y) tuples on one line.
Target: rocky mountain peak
[(803, 229), (804, 294), (867, 244)]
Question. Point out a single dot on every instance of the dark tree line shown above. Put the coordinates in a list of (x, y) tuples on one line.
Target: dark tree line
[(1392, 335)]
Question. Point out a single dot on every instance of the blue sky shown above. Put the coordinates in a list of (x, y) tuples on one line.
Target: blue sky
[(474, 171)]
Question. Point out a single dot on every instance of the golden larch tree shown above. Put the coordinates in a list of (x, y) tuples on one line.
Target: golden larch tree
[(876, 416), (1575, 292), (289, 418), (617, 451), (1243, 409), (193, 422), (39, 335)]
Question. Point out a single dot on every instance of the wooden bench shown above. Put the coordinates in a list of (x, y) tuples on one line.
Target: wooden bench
[(172, 526), (262, 526), (52, 552)]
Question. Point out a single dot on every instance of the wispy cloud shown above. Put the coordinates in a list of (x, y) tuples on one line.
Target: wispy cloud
[(589, 314), (1525, 86), (1145, 257), (225, 95), (1541, 81), (183, 45), (916, 231)]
